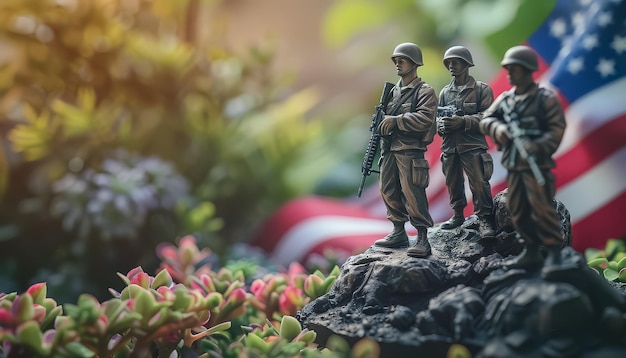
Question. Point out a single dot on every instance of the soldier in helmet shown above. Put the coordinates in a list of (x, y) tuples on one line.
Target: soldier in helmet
[(464, 148), (534, 115), (408, 127)]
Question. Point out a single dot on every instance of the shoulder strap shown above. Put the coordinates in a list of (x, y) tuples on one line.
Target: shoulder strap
[(414, 102)]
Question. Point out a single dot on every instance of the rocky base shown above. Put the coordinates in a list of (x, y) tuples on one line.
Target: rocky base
[(464, 293)]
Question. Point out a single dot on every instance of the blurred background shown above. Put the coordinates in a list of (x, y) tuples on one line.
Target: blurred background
[(128, 123)]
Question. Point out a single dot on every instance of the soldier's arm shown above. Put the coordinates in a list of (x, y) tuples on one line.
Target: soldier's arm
[(472, 122), (549, 141), (425, 112), (493, 121)]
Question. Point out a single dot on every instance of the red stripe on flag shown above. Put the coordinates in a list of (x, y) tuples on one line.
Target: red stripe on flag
[(351, 244), (595, 229), (591, 150)]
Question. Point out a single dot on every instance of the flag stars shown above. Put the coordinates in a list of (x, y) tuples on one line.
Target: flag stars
[(575, 65), (578, 21), (605, 18), (606, 67), (558, 28), (590, 41), (619, 44)]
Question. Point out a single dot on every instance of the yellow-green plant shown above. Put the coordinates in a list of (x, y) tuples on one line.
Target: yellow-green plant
[(609, 262)]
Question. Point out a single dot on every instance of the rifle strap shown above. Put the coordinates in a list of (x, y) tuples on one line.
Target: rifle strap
[(413, 92)]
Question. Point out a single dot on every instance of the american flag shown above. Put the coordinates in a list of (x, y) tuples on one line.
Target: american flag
[(582, 50)]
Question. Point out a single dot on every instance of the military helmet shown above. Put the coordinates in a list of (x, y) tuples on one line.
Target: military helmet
[(458, 52), (521, 55), (409, 50)]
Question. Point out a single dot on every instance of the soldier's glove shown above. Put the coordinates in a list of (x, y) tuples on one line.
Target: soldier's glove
[(501, 135), (453, 123), (388, 125), (441, 129), (530, 146)]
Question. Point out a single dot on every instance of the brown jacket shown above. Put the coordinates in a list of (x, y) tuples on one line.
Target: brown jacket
[(474, 98), (416, 129), (540, 115)]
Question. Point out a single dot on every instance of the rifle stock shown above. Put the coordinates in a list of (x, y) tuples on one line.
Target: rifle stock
[(374, 142)]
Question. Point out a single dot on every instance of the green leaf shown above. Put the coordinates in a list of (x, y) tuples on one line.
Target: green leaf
[(598, 262), (610, 274), (613, 246), (30, 335), (254, 341), (25, 309), (621, 263), (290, 328), (163, 278), (79, 350), (593, 253), (622, 275)]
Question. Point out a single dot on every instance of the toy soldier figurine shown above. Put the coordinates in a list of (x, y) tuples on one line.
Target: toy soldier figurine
[(527, 124), (408, 127), (464, 148)]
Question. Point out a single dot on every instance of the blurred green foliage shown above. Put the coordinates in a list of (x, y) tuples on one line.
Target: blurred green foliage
[(85, 79)]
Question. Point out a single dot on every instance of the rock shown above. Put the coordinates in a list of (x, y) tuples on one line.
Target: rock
[(463, 294)]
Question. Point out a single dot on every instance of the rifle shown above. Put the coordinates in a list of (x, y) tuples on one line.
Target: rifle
[(516, 132), (446, 111), (374, 142)]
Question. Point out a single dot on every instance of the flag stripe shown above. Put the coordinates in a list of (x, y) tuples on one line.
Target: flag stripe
[(601, 225)]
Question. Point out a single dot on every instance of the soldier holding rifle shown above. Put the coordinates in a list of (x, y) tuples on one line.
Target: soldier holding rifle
[(527, 123), (406, 129), (464, 148)]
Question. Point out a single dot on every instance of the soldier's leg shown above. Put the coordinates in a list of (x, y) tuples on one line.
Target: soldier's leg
[(414, 178), (547, 225), (453, 172), (478, 165), (391, 191), (521, 216)]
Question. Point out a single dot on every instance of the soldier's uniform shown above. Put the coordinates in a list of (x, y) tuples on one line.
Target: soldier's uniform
[(409, 126), (541, 119), (465, 149), (404, 172)]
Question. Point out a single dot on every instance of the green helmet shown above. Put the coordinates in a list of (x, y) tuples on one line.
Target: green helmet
[(521, 55), (458, 52), (409, 50)]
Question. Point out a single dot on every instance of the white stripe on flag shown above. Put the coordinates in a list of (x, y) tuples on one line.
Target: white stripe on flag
[(304, 236), (592, 111), (597, 187)]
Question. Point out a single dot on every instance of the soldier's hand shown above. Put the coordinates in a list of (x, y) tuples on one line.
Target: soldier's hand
[(529, 145), (387, 126), (501, 135), (453, 123), (441, 129)]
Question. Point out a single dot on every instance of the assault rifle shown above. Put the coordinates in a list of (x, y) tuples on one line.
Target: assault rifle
[(374, 142), (446, 111), (516, 132)]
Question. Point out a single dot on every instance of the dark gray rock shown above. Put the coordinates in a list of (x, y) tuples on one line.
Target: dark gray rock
[(463, 293)]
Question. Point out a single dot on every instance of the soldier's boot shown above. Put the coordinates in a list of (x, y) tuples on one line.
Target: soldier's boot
[(422, 246), (485, 227), (396, 238), (455, 221), (530, 258)]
